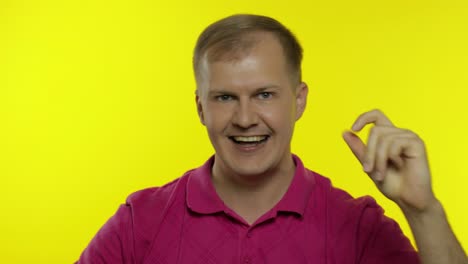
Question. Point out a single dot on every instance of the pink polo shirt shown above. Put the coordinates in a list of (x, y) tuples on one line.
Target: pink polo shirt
[(185, 221)]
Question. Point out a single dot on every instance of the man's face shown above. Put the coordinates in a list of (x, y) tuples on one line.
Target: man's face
[(249, 107)]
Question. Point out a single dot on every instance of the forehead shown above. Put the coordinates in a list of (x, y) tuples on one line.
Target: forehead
[(237, 46), (263, 63)]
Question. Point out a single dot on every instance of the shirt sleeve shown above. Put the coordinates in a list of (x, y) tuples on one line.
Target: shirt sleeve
[(380, 240), (114, 241)]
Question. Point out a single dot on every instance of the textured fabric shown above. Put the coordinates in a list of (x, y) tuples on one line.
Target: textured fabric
[(185, 221)]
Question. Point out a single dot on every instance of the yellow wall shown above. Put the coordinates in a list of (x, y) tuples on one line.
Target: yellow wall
[(96, 101)]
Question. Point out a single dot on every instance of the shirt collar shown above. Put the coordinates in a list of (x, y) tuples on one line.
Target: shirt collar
[(201, 194), (202, 197), (297, 196)]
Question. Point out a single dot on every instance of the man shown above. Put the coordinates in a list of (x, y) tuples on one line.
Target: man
[(253, 201)]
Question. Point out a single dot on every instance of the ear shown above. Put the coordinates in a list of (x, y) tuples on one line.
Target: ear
[(301, 99), (199, 107)]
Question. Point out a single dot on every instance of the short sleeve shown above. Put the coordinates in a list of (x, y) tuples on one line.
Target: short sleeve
[(113, 243), (380, 240)]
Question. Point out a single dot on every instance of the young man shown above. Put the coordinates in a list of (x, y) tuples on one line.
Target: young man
[(253, 201)]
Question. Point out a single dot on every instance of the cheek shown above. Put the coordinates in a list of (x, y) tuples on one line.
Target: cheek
[(216, 117), (280, 117)]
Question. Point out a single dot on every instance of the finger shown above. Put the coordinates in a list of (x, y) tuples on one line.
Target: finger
[(395, 154), (372, 145), (415, 147), (376, 117), (389, 152), (355, 144)]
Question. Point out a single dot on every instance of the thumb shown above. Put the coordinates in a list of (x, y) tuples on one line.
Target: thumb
[(355, 144)]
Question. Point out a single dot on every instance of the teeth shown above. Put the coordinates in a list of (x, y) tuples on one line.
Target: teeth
[(249, 139)]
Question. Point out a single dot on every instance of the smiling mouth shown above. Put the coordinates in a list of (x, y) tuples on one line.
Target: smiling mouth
[(249, 140)]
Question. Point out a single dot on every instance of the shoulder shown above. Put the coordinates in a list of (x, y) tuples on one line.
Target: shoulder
[(338, 199), (154, 199), (148, 207), (359, 227), (154, 195), (128, 234), (343, 213)]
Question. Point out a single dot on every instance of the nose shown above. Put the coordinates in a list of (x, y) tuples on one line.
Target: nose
[(245, 115)]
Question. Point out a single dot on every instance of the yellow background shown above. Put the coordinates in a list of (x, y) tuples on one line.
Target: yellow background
[(97, 101)]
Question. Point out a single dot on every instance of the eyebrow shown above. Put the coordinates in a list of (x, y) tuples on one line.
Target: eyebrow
[(266, 87), (258, 90)]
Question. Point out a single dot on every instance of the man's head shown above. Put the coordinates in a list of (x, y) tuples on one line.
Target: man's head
[(249, 93)]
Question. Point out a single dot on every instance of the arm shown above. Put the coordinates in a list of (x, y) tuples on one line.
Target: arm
[(434, 238), (396, 160)]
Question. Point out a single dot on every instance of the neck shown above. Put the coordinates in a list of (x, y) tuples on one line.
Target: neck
[(251, 196)]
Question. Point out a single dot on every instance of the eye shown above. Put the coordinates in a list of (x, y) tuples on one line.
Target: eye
[(224, 97), (265, 95)]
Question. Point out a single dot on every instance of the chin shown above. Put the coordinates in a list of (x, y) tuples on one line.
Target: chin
[(250, 172), (248, 165)]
